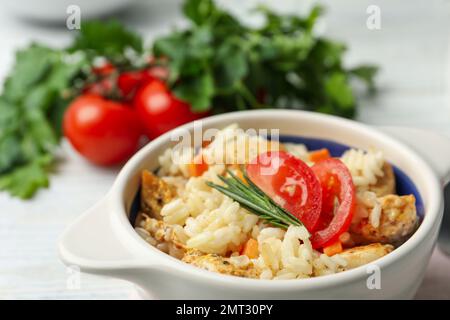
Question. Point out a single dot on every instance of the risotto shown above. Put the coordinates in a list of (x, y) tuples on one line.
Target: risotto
[(248, 207)]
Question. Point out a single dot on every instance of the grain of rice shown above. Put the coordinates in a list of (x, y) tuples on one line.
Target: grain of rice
[(176, 252), (368, 201), (266, 274), (365, 167), (285, 276), (298, 150), (255, 232), (164, 247), (240, 261), (327, 261), (339, 260), (151, 240)]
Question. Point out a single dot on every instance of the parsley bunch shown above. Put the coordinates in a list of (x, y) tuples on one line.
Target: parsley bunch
[(35, 95), (216, 64), (219, 64)]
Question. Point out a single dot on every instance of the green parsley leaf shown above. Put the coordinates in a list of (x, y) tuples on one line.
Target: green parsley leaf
[(31, 66), (25, 180), (339, 91), (199, 11), (281, 63), (232, 64), (198, 91), (41, 84), (365, 73), (106, 38)]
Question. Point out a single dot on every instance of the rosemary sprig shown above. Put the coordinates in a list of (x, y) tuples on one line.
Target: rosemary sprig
[(252, 198)]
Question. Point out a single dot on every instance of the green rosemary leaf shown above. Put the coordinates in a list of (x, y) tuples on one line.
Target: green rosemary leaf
[(237, 183), (244, 201), (293, 219), (252, 198)]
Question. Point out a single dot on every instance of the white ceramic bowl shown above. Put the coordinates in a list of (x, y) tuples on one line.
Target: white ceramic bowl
[(102, 241)]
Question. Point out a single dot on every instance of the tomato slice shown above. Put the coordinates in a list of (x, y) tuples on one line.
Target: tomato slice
[(330, 190), (336, 182), (290, 183)]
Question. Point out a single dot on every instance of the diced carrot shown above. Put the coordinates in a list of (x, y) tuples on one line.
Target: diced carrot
[(281, 147), (198, 167), (251, 249), (333, 249), (206, 143), (318, 155)]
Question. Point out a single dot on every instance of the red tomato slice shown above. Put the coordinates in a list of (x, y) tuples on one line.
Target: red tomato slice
[(330, 190), (336, 182), (290, 183)]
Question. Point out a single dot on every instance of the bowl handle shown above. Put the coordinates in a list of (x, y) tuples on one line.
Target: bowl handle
[(92, 244), (433, 147)]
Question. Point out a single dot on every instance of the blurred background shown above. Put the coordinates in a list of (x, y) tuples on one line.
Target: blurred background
[(411, 49)]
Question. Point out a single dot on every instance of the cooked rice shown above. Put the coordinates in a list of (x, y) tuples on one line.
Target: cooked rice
[(213, 222), (203, 220), (365, 167), (368, 206), (298, 150), (289, 255), (173, 162), (234, 146)]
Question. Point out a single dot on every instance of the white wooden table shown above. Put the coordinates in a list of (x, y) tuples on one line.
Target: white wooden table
[(411, 47)]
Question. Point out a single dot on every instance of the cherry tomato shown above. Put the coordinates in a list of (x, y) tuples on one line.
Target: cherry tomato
[(290, 183), (160, 111), (159, 72), (104, 84), (103, 87), (103, 131), (129, 82), (104, 70), (336, 182)]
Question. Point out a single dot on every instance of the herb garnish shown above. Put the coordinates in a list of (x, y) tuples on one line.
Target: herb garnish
[(252, 198)]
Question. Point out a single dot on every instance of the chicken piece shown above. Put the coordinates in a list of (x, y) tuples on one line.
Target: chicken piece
[(217, 263), (398, 219), (386, 184), (168, 238), (362, 255), (155, 193)]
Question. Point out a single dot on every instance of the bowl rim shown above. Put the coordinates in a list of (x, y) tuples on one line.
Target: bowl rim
[(432, 213)]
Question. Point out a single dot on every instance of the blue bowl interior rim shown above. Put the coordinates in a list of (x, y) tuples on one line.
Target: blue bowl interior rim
[(404, 185)]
